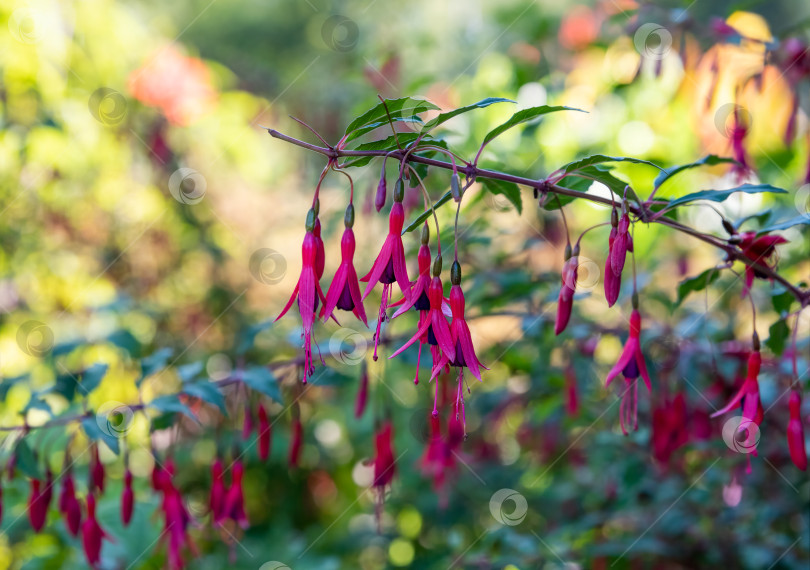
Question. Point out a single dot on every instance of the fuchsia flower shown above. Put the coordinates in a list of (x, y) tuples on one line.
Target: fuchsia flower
[(344, 292), (748, 393), (379, 198), (384, 463), (69, 505), (247, 422), (265, 433), (96, 472), (295, 442), (619, 243), (127, 499), (670, 429), (216, 499), (92, 534), (389, 267), (320, 253), (362, 393), (37, 507), (569, 282), (235, 497), (176, 518), (760, 250), (307, 290), (795, 432), (630, 365), (737, 134), (440, 458), (462, 354), (572, 398)]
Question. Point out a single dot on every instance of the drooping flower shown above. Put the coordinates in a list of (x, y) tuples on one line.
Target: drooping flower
[(344, 292), (320, 253), (216, 499), (37, 508), (569, 282), (127, 499), (748, 393), (92, 534), (571, 395), (670, 428), (176, 518), (384, 464), (362, 393), (795, 432), (96, 471), (630, 364), (235, 497), (69, 505), (47, 492), (760, 250), (389, 267), (307, 291), (265, 433), (462, 354), (619, 243), (247, 422), (379, 198)]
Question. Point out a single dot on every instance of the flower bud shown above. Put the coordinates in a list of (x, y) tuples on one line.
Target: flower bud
[(425, 234), (127, 499), (295, 442), (795, 432), (399, 190), (437, 266), (379, 199), (455, 273), (247, 423), (362, 393), (37, 509), (455, 187), (348, 217), (216, 500)]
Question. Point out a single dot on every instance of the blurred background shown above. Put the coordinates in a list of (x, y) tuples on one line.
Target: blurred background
[(143, 207)]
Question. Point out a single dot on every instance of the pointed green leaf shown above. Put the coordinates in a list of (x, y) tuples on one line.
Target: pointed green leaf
[(155, 362), (801, 219), (404, 107), (721, 195), (95, 433), (709, 160), (601, 158), (248, 336), (427, 213), (208, 392), (777, 337), (508, 189), (697, 283), (443, 117), (524, 116), (25, 460), (188, 372), (172, 404), (92, 377), (259, 378)]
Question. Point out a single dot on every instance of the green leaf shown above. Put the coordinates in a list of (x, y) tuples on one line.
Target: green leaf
[(601, 158), (25, 460), (95, 433), (188, 372), (761, 217), (92, 377), (35, 403), (259, 378), (404, 107), (778, 334), (801, 219), (427, 213), (247, 337), (524, 116), (436, 121), (207, 392), (721, 195), (782, 299), (171, 404), (508, 189), (6, 385), (587, 175), (697, 283), (390, 144), (155, 362), (709, 160), (376, 125)]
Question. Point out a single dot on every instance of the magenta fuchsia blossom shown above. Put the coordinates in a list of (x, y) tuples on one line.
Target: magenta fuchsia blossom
[(760, 250), (307, 292), (92, 534), (344, 292), (631, 364), (569, 282), (795, 432), (619, 243), (748, 393), (127, 499)]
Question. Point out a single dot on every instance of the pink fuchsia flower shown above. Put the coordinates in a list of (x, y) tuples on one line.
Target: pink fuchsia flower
[(760, 250), (127, 499), (384, 464), (307, 291), (69, 505), (379, 198), (235, 497), (463, 353), (216, 498), (344, 292), (748, 393), (92, 534), (670, 428), (619, 243), (569, 282), (320, 252), (96, 471), (265, 433), (630, 364), (795, 432), (37, 507), (389, 267)]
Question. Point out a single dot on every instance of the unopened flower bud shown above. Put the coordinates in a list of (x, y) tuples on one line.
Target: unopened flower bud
[(348, 217), (455, 187), (399, 190), (437, 266), (455, 273)]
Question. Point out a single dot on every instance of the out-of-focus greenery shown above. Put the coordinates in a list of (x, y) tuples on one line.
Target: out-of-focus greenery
[(117, 261)]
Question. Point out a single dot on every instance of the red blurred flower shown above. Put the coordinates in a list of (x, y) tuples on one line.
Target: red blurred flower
[(92, 534), (96, 471), (69, 505), (216, 498), (630, 365), (235, 497), (619, 243), (572, 398), (760, 250), (265, 433), (748, 393), (569, 283), (795, 432), (362, 393), (670, 428), (344, 292), (384, 461), (127, 499), (37, 507), (296, 438), (179, 86)]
